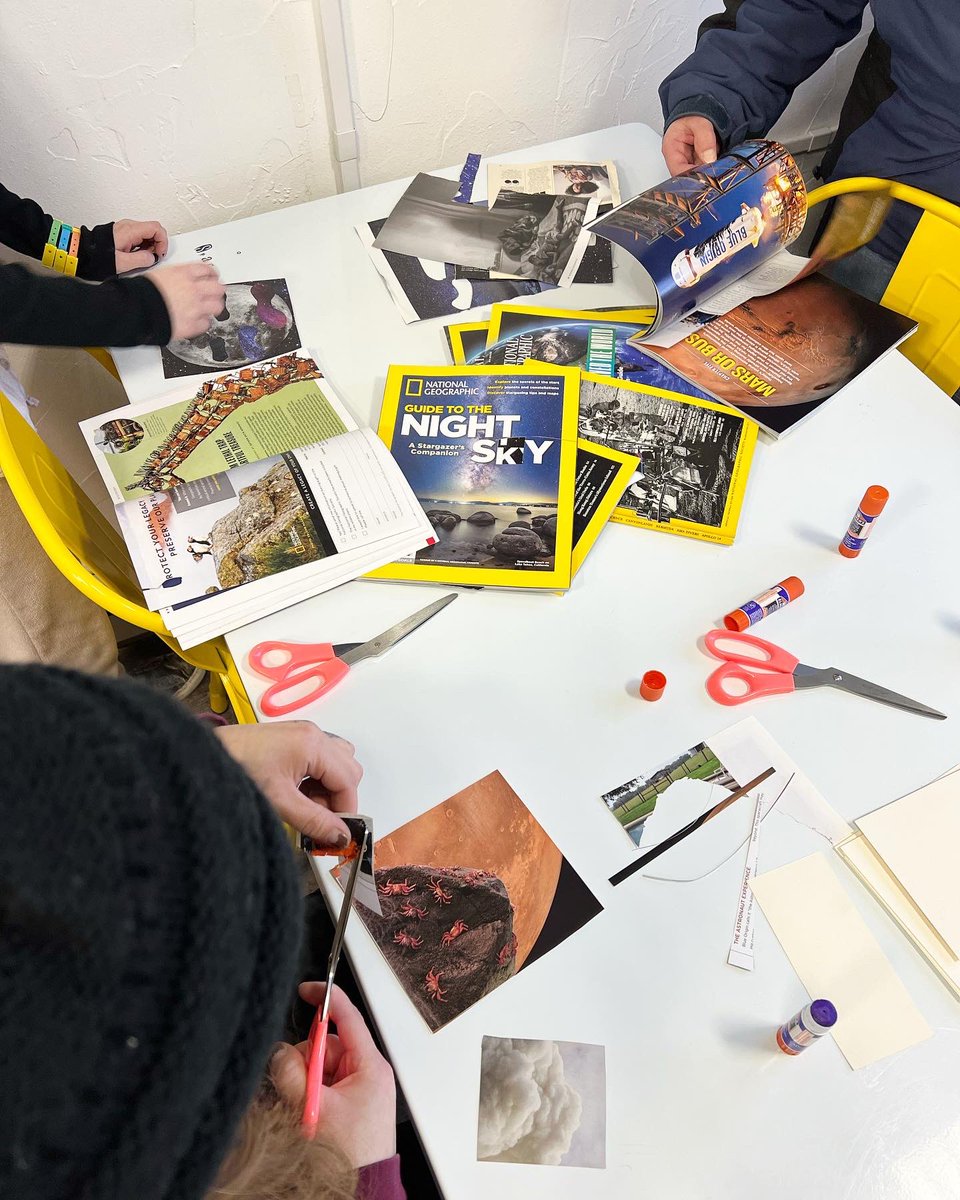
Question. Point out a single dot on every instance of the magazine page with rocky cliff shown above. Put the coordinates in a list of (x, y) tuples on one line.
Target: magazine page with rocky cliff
[(249, 493), (696, 234)]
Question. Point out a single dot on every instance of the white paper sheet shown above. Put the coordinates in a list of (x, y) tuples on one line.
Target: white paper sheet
[(837, 958)]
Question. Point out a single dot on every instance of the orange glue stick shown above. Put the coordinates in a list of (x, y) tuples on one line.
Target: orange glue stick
[(863, 520), (763, 605)]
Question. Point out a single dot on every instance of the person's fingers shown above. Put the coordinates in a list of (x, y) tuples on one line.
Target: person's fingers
[(311, 817), (132, 261), (704, 142), (352, 1030), (331, 762), (332, 1058), (203, 271), (159, 238), (312, 992), (288, 1073), (677, 152)]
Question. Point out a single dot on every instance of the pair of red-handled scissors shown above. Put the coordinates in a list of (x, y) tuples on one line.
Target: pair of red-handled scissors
[(317, 1041), (305, 673), (752, 667)]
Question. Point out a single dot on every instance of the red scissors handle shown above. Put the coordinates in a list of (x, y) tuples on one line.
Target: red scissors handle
[(752, 667), (277, 660), (316, 1052), (732, 683), (302, 686)]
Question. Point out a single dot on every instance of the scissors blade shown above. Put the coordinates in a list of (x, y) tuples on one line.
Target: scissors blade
[(805, 676), (383, 641), (341, 927)]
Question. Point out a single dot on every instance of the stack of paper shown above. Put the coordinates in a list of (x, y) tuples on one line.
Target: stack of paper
[(249, 492), (906, 854)]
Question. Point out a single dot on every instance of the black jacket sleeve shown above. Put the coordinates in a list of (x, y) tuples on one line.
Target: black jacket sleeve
[(54, 311), (24, 227), (41, 310)]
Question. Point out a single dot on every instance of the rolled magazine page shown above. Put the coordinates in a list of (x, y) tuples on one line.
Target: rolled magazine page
[(696, 233)]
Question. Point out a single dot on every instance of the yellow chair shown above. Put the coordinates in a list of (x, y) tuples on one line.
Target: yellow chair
[(926, 283), (91, 554)]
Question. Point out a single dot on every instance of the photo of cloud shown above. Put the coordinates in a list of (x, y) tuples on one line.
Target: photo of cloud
[(472, 891), (542, 1102)]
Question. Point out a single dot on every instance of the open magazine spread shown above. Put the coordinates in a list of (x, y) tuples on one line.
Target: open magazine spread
[(249, 493), (779, 357), (696, 233), (490, 454), (694, 456)]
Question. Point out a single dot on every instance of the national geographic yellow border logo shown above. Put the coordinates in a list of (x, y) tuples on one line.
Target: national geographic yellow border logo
[(413, 387)]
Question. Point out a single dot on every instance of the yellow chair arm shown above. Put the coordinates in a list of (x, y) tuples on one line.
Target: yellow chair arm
[(105, 359), (899, 191)]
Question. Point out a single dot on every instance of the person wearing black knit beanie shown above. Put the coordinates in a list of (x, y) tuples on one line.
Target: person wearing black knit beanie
[(149, 929)]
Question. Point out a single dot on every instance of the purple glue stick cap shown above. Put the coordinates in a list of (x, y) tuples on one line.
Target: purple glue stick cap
[(823, 1013)]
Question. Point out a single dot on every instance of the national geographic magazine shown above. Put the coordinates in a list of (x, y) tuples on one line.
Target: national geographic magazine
[(491, 455), (694, 456)]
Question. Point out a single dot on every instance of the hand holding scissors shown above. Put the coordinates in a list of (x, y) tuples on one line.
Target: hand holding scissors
[(752, 667), (322, 666)]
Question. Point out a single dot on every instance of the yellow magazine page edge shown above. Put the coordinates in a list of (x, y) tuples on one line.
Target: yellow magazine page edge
[(609, 503), (626, 316), (560, 578), (724, 533), (455, 338)]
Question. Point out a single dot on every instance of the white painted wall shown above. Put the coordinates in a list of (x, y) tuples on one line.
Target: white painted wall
[(436, 79), (190, 111), (195, 111)]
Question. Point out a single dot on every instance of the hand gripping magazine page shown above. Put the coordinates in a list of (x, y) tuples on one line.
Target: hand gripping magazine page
[(491, 454), (310, 511), (203, 429), (696, 233)]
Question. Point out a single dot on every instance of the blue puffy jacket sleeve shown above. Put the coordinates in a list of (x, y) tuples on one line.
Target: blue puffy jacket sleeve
[(742, 79)]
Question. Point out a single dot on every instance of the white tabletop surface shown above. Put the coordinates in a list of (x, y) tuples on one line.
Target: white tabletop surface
[(700, 1105)]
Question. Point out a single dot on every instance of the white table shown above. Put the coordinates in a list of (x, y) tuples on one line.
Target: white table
[(699, 1105)]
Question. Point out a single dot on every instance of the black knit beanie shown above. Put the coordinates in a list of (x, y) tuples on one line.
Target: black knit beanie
[(149, 926)]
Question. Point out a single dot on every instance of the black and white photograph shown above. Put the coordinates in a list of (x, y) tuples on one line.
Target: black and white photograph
[(686, 453), (545, 238), (532, 237), (587, 179), (542, 1102), (422, 288)]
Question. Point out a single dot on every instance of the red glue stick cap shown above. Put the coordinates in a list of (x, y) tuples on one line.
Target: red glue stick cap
[(652, 685), (874, 498)]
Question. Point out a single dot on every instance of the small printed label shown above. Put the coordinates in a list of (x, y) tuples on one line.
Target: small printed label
[(860, 529), (765, 604)]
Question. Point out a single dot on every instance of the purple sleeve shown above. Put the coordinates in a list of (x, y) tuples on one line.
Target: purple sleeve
[(381, 1181)]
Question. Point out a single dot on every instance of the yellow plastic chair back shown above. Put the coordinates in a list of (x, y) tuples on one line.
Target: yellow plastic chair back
[(90, 553), (926, 283)]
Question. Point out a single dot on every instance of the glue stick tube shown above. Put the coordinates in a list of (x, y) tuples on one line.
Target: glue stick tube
[(863, 520), (807, 1026), (763, 605)]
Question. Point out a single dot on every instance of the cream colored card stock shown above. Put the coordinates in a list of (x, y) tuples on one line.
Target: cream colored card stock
[(869, 868), (917, 837), (837, 957)]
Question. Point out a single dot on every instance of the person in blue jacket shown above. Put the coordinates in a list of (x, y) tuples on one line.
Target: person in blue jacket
[(740, 78)]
